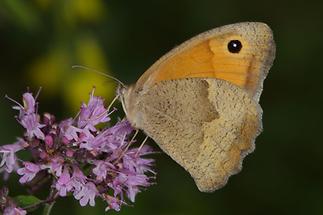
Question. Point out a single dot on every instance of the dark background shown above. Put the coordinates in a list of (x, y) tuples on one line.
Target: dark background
[(41, 39)]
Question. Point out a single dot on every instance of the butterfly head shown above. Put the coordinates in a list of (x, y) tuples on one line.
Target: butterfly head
[(127, 97)]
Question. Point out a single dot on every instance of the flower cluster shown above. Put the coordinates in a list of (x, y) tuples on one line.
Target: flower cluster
[(79, 158)]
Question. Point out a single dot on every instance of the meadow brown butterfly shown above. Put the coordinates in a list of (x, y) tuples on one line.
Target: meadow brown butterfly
[(199, 102)]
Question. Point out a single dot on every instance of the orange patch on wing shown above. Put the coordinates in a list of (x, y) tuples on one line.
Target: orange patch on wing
[(210, 59)]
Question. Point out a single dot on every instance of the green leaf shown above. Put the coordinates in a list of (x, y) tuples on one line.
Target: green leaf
[(26, 201)]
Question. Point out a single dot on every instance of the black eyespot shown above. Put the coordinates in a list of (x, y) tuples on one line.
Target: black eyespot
[(234, 46)]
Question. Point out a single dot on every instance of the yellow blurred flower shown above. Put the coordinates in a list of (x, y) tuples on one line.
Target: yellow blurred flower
[(53, 71), (89, 53), (88, 10), (48, 71)]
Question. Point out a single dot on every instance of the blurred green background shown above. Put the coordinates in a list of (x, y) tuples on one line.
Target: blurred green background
[(41, 39)]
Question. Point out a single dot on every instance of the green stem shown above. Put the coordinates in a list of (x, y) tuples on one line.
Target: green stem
[(48, 207)]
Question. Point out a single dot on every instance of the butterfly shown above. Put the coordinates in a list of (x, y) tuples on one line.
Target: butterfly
[(200, 101)]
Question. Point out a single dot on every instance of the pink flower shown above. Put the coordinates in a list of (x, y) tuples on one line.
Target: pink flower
[(28, 117), (48, 119), (9, 161), (101, 169), (69, 153), (79, 158), (63, 184), (78, 179), (31, 123), (117, 185), (113, 203), (93, 113), (56, 165), (69, 131), (118, 134), (29, 105), (28, 172), (11, 210), (133, 183), (134, 162), (49, 141), (87, 194), (109, 139), (130, 183)]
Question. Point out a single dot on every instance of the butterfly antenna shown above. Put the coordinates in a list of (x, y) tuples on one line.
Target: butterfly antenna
[(98, 72)]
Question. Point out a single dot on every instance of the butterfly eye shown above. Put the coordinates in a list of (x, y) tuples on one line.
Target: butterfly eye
[(234, 46)]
